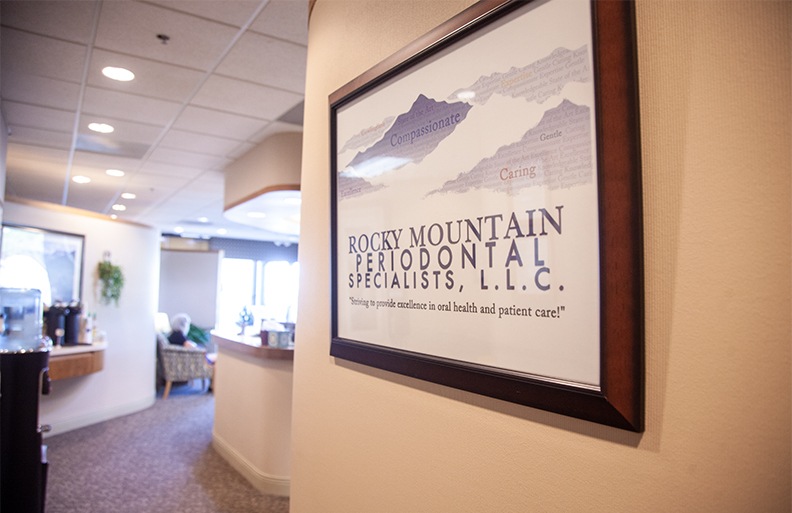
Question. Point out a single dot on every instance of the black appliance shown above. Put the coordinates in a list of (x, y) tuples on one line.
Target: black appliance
[(24, 376), (23, 457)]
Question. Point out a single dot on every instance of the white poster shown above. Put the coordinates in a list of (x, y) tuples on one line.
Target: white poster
[(466, 196)]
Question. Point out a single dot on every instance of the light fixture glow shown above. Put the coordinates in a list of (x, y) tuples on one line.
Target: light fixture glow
[(203, 219), (81, 179), (129, 195), (120, 74), (115, 172), (118, 207), (113, 216), (102, 128), (178, 229), (221, 231)]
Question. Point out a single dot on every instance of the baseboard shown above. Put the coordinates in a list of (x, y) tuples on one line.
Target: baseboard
[(64, 424), (265, 483)]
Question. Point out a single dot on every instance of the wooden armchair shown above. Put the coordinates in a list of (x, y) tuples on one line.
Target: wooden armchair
[(177, 363)]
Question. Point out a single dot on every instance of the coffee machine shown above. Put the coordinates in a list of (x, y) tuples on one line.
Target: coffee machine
[(24, 364)]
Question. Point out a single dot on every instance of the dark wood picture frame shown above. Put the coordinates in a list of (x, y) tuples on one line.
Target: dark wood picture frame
[(61, 256), (619, 399)]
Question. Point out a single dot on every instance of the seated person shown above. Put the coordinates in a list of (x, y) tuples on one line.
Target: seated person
[(181, 325)]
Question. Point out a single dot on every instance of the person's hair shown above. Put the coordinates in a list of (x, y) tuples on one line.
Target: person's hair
[(181, 322)]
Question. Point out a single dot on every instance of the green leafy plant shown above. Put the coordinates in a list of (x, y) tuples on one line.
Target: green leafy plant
[(112, 279), (198, 335)]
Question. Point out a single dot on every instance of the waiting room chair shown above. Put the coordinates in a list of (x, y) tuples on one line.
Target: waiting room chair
[(177, 363)]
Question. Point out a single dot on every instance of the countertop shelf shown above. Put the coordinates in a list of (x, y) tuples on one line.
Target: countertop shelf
[(73, 361), (251, 345)]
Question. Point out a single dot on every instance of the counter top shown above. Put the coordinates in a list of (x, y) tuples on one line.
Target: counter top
[(251, 346), (79, 348)]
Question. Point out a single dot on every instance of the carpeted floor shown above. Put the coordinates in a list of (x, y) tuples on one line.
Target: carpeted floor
[(158, 460)]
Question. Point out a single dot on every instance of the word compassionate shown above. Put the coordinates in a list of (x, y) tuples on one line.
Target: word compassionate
[(431, 256)]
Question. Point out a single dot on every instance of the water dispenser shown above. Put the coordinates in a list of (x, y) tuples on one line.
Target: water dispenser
[(24, 361)]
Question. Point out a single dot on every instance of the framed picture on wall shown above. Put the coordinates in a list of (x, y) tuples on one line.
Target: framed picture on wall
[(47, 260), (486, 210)]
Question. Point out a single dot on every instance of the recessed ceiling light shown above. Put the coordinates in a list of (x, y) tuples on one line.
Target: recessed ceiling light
[(102, 128), (118, 207), (222, 231), (115, 172), (256, 215), (120, 74), (129, 195), (203, 219), (81, 179), (178, 229), (113, 216)]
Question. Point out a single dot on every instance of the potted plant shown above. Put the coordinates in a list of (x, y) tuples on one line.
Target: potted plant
[(112, 279)]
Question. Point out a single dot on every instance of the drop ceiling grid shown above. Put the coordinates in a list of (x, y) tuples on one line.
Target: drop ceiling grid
[(195, 129)]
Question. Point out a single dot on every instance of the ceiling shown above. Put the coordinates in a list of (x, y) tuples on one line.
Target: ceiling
[(213, 78)]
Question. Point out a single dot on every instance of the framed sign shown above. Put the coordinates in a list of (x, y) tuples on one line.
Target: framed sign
[(486, 210), (49, 261)]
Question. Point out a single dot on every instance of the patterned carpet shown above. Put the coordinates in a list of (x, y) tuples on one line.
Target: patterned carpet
[(157, 460)]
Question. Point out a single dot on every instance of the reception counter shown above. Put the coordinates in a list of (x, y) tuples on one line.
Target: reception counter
[(253, 396)]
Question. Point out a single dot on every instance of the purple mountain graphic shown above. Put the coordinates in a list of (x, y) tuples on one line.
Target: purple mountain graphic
[(556, 153), (414, 135)]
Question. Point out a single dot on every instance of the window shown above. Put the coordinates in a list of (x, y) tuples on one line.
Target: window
[(267, 289), (281, 283)]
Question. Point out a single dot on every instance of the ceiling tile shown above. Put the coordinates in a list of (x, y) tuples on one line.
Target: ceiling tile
[(222, 124), (87, 196), (35, 89), (128, 106), (163, 169), (285, 19), (158, 182), (154, 79), (268, 61), (231, 12), (132, 27), (37, 55), (37, 187), (125, 131), (190, 141), (36, 155), (40, 137), (72, 21), (33, 116), (145, 192), (245, 98), (37, 162), (171, 156), (104, 162), (208, 182)]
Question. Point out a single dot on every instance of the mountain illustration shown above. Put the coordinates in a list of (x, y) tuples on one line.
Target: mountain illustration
[(413, 135), (535, 82), (556, 153)]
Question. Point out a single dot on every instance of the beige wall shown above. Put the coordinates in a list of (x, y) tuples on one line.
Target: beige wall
[(273, 164), (715, 129), (126, 383)]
